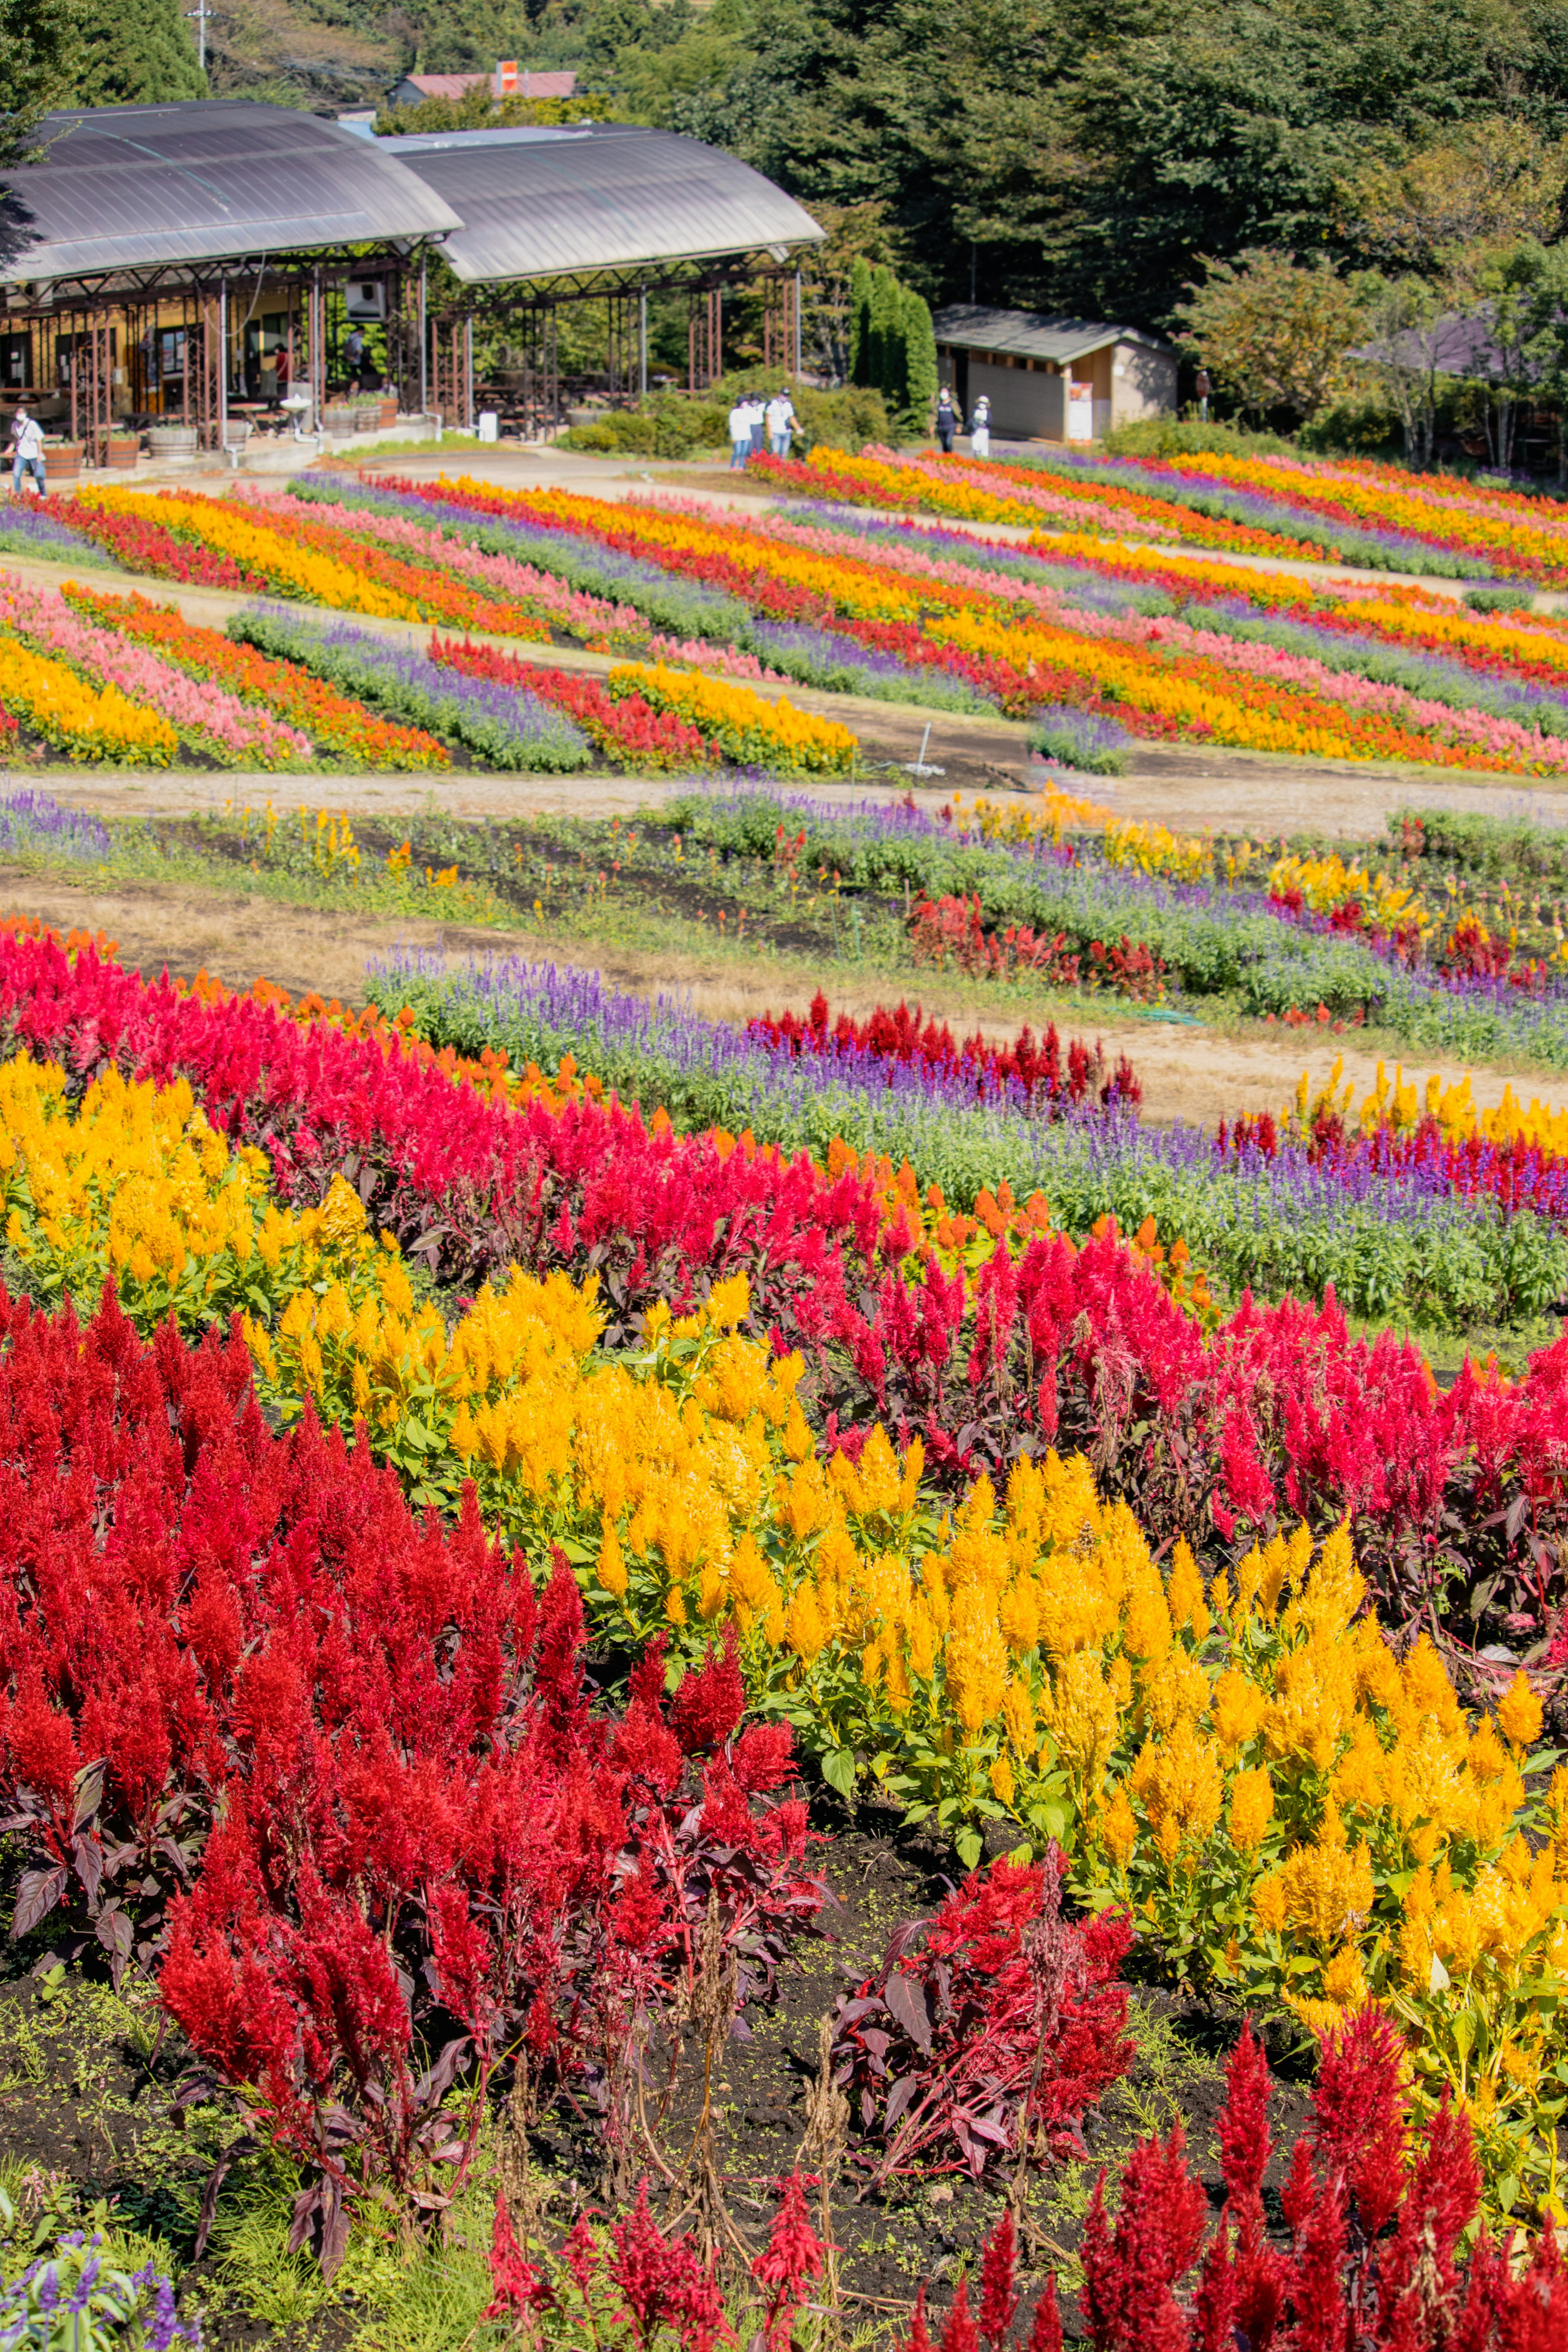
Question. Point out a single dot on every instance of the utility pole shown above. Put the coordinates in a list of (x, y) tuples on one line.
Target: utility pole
[(199, 15)]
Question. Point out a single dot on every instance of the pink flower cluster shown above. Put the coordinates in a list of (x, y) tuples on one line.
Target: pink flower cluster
[(502, 574), (1506, 737), (694, 654), (236, 730)]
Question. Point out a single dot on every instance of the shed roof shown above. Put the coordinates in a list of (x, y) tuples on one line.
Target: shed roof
[(538, 203), (129, 187), (1031, 334)]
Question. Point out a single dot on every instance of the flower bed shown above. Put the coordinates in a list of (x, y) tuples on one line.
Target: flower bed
[(218, 722), (628, 726), (509, 730), (1454, 1498), (86, 722), (335, 1778)]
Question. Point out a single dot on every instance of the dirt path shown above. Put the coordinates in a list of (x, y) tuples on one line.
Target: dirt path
[(1189, 1073)]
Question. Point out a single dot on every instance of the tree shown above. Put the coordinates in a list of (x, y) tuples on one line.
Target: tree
[(859, 355), (38, 54), (920, 361), (1449, 210), (884, 357), (136, 56), (1407, 330), (1273, 330)]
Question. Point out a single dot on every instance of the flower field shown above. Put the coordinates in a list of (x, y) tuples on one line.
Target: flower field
[(523, 1496), (1101, 626), (841, 1467)]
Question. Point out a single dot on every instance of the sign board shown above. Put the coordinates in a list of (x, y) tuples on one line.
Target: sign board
[(506, 77), (365, 298), (1080, 412)]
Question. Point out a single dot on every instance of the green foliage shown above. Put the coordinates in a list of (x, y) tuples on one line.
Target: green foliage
[(920, 361), (479, 109), (861, 321), (1187, 436), (140, 57), (40, 55), (670, 426), (1273, 330)]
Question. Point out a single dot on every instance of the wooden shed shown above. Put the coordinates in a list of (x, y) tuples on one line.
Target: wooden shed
[(1053, 378)]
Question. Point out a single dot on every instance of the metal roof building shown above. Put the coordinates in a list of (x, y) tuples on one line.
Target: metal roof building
[(143, 245), (140, 188), (549, 202)]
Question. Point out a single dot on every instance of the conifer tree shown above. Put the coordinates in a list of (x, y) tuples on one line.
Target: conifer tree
[(861, 321), (919, 362)]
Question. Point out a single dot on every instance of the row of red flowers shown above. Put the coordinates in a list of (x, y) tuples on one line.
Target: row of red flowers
[(630, 728), (897, 1036), (1459, 1499)]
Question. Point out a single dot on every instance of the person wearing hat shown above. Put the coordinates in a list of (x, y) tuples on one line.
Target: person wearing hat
[(26, 453)]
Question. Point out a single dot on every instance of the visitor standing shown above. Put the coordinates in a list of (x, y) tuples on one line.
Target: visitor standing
[(740, 433), (354, 356), (757, 410), (1204, 388), (781, 421), (26, 453), (946, 420), (980, 427)]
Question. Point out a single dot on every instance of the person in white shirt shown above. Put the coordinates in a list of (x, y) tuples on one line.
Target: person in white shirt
[(740, 433), (980, 427), (780, 422), (26, 453)]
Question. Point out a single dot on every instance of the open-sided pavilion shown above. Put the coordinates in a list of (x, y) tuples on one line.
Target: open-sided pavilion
[(179, 262)]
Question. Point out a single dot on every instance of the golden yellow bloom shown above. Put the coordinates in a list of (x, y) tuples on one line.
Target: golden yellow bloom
[(1120, 1825), (1002, 1782), (611, 1571), (1519, 1715), (1083, 1718), (1238, 1709), (1251, 1810), (1179, 1783)]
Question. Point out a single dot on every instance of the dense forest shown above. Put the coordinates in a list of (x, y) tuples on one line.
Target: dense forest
[(1086, 156)]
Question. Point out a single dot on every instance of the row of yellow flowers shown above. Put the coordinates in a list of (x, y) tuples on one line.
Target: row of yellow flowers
[(1401, 1104), (1292, 1813), (749, 727), (87, 721), (293, 570)]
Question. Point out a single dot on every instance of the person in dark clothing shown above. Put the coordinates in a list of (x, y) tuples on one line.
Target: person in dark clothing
[(946, 420)]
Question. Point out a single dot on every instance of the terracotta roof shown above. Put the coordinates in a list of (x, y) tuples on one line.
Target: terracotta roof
[(533, 85)]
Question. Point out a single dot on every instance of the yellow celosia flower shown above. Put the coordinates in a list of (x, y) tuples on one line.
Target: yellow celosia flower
[(1251, 1810), (1519, 1715)]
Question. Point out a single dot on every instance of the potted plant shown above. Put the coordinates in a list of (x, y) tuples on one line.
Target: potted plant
[(63, 460), (123, 449), (172, 440)]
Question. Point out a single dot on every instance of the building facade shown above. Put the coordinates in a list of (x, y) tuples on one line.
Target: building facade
[(1053, 378)]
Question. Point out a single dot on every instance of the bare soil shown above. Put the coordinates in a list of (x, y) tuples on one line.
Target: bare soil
[(1188, 1071)]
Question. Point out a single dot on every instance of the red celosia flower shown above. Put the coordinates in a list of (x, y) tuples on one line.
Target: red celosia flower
[(1131, 2273), (661, 2282), (958, 2334), (518, 2290), (708, 1705), (791, 2257), (998, 2282)]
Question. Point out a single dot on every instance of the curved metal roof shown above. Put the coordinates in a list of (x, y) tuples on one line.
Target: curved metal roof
[(541, 203), (129, 187)]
